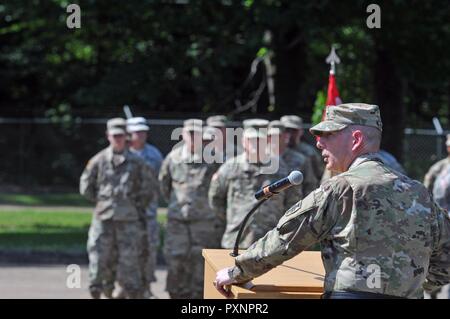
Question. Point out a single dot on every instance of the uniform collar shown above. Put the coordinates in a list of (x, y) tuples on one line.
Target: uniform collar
[(188, 157), (364, 158), (254, 167), (120, 157)]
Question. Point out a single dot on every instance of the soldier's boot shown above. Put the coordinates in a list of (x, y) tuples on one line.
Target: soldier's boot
[(433, 294), (135, 294), (108, 293), (95, 293), (148, 294), (152, 296), (108, 289)]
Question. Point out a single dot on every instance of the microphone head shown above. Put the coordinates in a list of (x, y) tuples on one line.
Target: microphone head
[(295, 177)]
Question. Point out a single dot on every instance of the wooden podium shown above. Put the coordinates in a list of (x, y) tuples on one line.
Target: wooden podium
[(300, 277)]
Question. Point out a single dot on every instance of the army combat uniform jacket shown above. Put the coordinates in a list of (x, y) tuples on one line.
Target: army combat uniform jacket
[(122, 185), (434, 171)]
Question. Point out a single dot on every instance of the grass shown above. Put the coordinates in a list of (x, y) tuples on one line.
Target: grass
[(50, 231), (64, 199), (67, 199)]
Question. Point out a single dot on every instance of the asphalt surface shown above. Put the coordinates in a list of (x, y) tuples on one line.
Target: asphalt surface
[(63, 282), (56, 282)]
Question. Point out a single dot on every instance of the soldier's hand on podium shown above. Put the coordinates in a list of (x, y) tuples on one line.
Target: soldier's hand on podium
[(223, 280)]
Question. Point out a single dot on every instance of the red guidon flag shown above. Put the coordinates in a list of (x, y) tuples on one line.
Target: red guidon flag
[(332, 93)]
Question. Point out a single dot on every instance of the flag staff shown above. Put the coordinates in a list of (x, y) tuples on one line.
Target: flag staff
[(333, 59)]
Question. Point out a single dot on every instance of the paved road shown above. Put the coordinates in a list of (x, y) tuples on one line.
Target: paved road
[(50, 282)]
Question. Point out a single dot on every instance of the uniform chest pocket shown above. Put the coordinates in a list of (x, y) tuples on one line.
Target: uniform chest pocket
[(241, 184), (106, 175)]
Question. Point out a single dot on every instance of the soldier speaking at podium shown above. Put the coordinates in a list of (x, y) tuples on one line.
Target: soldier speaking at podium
[(381, 233)]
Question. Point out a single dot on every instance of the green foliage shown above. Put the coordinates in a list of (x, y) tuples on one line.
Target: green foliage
[(194, 56), (319, 105)]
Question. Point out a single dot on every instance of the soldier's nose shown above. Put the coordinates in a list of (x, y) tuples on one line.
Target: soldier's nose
[(319, 144)]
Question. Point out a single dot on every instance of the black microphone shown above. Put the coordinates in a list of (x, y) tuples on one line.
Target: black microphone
[(294, 178)]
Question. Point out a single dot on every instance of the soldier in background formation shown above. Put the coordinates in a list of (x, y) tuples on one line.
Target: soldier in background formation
[(227, 144), (122, 181), (294, 160), (122, 186), (184, 182), (138, 129), (294, 127), (232, 189)]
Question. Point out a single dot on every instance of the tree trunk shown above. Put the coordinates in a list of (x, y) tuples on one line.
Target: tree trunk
[(388, 96), (290, 60)]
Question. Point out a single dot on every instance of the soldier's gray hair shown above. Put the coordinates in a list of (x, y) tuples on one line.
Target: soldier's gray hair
[(372, 135)]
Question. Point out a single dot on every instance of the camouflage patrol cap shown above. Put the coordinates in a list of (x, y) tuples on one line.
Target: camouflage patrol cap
[(217, 121), (254, 128), (340, 116), (193, 125), (292, 121), (448, 140), (116, 126), (276, 128)]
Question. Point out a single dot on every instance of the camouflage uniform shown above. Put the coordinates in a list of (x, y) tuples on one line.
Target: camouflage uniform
[(327, 174), (441, 190), (231, 195), (122, 186), (391, 161), (387, 158), (184, 181), (437, 168), (154, 158), (369, 217), (434, 171), (441, 194)]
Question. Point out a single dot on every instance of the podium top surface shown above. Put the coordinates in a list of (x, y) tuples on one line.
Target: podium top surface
[(303, 273)]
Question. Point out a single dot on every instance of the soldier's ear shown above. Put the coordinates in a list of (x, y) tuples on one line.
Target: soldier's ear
[(357, 140)]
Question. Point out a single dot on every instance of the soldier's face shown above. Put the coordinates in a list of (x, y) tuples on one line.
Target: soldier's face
[(139, 138), (294, 136), (193, 140), (336, 150), (255, 149), (117, 141), (277, 143)]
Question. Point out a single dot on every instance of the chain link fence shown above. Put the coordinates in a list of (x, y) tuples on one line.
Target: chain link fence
[(39, 153)]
